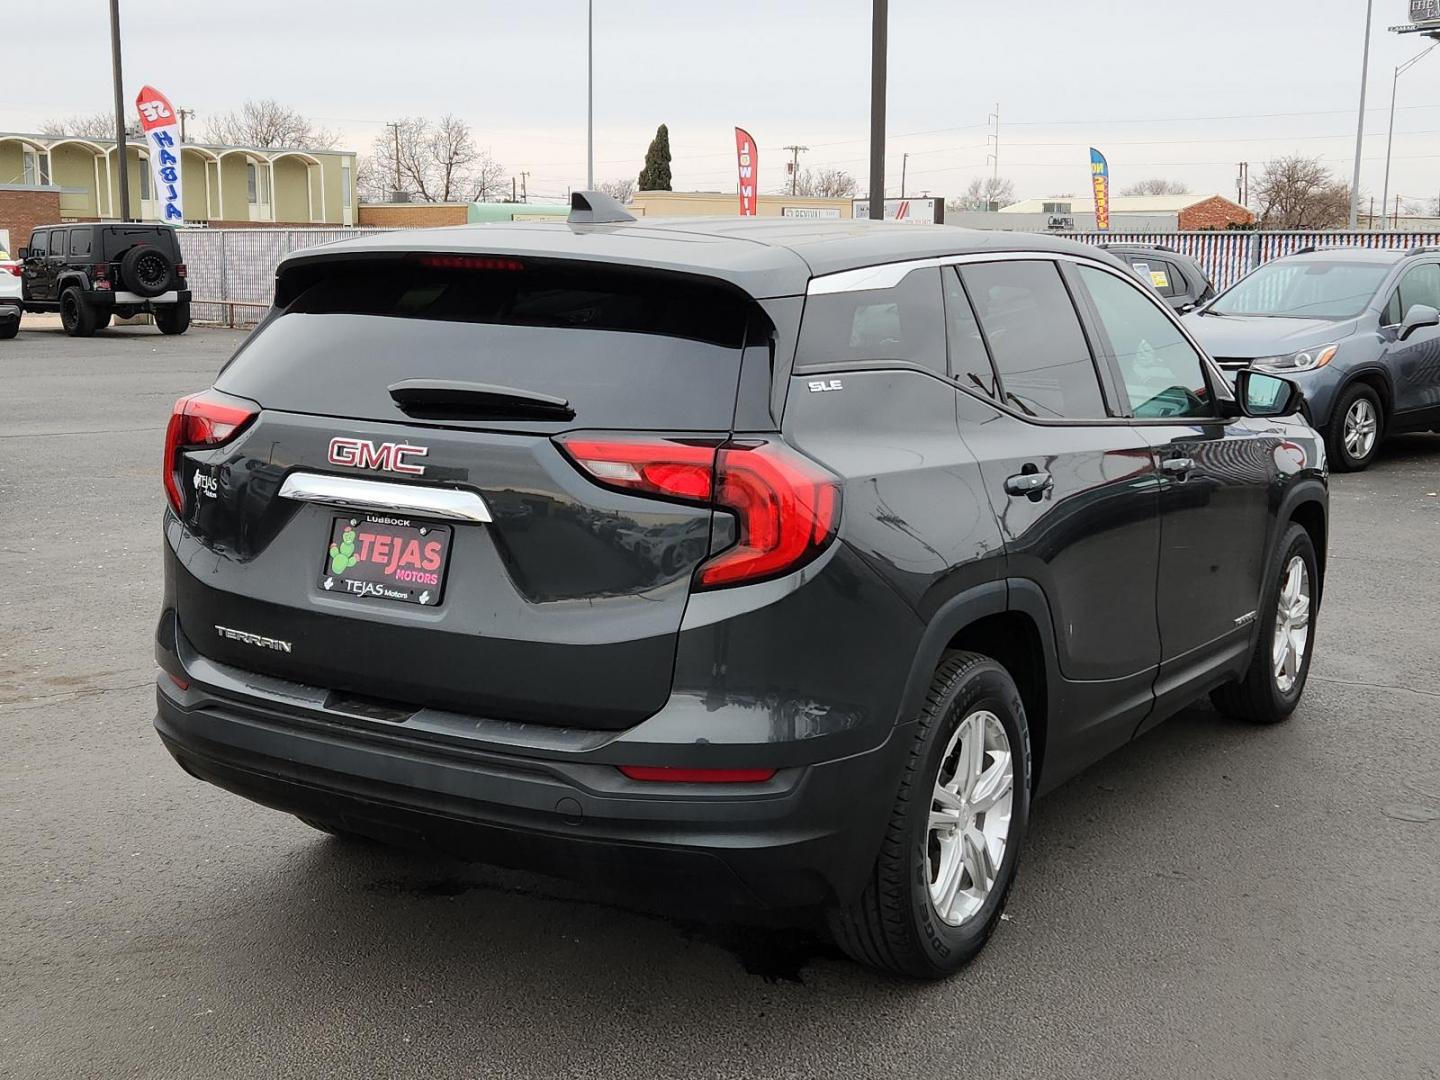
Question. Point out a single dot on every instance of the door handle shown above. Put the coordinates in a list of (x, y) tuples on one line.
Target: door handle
[(1033, 484), (1179, 466)]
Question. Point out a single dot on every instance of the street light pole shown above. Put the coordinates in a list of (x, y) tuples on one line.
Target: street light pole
[(121, 152), (1390, 138), (1360, 126), (590, 98), (879, 22)]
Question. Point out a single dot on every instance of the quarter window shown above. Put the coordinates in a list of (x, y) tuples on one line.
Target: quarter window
[(79, 242), (1039, 349), (1163, 374), (906, 323)]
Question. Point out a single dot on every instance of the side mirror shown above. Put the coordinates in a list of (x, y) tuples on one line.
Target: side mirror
[(1262, 394), (22, 253), (1419, 315)]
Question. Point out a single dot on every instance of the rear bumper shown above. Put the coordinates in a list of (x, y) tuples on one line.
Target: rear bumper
[(8, 311), (808, 835), (114, 297)]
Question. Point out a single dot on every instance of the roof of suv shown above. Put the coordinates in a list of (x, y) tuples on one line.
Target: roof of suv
[(763, 256), (1360, 254)]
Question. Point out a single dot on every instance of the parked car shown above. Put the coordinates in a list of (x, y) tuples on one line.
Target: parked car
[(774, 564), (89, 273), (1174, 275), (1356, 327), (9, 295)]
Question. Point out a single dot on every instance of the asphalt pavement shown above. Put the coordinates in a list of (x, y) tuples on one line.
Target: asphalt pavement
[(1215, 900)]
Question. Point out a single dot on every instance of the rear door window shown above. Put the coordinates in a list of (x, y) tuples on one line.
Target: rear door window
[(626, 349), (57, 243), (1034, 334), (905, 322)]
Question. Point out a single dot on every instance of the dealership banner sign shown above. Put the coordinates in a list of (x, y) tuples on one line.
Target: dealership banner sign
[(160, 125), (747, 161), (1100, 179)]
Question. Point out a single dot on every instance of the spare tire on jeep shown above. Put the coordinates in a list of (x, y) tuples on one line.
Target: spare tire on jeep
[(146, 271)]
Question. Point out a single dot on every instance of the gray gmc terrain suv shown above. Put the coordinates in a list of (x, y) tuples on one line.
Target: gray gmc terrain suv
[(780, 563)]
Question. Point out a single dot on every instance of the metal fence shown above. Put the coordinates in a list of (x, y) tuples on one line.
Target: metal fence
[(1228, 256), (232, 271)]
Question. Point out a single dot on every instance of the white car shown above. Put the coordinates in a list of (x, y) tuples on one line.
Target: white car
[(9, 295)]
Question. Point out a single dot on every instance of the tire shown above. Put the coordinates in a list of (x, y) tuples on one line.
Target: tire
[(77, 317), (1357, 398), (173, 318), (9, 329), (1262, 696), (895, 924), (102, 320), (146, 271)]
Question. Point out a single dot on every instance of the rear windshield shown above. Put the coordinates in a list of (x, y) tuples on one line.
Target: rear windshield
[(119, 239), (1305, 289), (626, 349)]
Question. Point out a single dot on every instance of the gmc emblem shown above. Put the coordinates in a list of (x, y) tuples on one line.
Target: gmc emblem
[(364, 454)]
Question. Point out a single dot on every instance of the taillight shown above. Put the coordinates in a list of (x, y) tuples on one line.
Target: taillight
[(181, 270), (201, 420), (100, 276), (470, 262), (11, 268), (787, 507), (661, 774)]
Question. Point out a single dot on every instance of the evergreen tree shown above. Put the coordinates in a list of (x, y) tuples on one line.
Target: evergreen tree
[(655, 176)]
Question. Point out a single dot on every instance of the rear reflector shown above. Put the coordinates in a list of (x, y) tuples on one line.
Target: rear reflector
[(787, 507), (201, 420), (662, 775), (183, 684)]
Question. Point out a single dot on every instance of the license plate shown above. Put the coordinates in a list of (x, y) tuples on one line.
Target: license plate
[(377, 557)]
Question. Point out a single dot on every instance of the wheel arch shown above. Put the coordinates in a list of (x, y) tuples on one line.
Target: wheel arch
[(1307, 507), (1378, 379), (1010, 623)]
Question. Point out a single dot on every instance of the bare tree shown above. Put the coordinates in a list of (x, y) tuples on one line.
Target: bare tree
[(985, 193), (1157, 186), (99, 125), (264, 122), (826, 183), (622, 191), (1300, 193), (431, 163)]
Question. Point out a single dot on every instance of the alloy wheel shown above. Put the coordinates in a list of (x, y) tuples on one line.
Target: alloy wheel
[(1292, 625), (1362, 426), (970, 817)]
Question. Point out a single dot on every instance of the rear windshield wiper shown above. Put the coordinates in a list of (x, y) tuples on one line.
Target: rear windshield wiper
[(447, 399)]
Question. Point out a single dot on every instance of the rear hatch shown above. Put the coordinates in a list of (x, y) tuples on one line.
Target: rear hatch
[(399, 518)]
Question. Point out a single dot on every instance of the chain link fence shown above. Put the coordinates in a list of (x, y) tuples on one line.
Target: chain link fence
[(232, 271)]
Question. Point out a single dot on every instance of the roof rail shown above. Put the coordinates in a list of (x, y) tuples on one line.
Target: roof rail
[(1422, 249), (595, 208), (1308, 249)]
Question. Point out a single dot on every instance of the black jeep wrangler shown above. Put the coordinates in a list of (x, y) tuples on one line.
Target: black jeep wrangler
[(90, 272)]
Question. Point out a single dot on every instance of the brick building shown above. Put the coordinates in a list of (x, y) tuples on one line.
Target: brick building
[(22, 207), (1187, 212)]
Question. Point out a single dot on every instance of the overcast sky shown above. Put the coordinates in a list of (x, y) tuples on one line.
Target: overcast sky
[(1178, 90)]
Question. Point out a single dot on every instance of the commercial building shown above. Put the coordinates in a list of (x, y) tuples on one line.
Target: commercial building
[(1183, 212), (727, 204), (224, 186)]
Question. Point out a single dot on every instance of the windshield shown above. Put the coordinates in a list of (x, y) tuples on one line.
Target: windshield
[(1304, 290)]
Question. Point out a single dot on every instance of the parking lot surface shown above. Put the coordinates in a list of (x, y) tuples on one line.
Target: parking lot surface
[(1215, 900)]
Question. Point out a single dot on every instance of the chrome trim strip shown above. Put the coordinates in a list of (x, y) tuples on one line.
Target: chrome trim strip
[(375, 495)]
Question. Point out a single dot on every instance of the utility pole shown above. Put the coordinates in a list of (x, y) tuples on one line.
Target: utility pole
[(904, 164), (524, 190), (121, 152), (184, 115), (514, 195), (590, 98), (995, 157), (395, 127), (879, 29), (1360, 125), (1242, 184), (795, 152)]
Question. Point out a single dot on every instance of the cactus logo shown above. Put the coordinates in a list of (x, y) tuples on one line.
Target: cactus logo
[(342, 555)]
